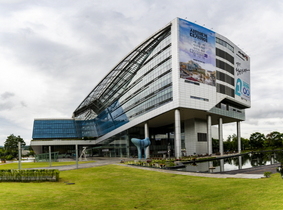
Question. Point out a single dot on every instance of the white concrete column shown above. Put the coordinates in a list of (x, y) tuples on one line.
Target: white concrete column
[(50, 158), (127, 145), (220, 136), (209, 139), (239, 136), (177, 134), (146, 135), (77, 156)]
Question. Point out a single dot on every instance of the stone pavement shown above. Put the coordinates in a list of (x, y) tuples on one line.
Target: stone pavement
[(253, 173)]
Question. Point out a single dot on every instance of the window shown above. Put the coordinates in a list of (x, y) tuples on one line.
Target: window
[(225, 55), (225, 78), (225, 66), (225, 90), (225, 44), (202, 137)]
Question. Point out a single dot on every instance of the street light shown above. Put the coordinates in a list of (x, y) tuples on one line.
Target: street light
[(20, 145)]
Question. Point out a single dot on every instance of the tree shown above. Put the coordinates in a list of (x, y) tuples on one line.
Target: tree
[(256, 140), (11, 145), (274, 139), (245, 143), (215, 145), (2, 153)]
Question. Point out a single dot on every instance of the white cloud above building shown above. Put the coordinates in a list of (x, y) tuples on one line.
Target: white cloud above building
[(53, 53)]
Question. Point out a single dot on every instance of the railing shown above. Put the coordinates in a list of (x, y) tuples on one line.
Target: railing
[(44, 157)]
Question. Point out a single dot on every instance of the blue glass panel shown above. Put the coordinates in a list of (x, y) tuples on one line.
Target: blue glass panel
[(45, 129)]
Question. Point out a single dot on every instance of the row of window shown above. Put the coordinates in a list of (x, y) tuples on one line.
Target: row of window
[(153, 103), (199, 98), (225, 44), (225, 55), (146, 78), (225, 78), (163, 44), (149, 88), (159, 52), (154, 62), (225, 66), (228, 107), (225, 90), (154, 99), (53, 130)]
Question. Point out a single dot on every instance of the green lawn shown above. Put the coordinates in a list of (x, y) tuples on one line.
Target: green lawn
[(120, 187)]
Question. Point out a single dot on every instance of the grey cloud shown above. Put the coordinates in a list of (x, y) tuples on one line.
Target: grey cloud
[(7, 95), (23, 104), (6, 106), (265, 113), (36, 51)]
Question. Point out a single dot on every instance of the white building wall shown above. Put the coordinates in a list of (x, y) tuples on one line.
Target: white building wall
[(175, 62), (192, 127), (202, 91)]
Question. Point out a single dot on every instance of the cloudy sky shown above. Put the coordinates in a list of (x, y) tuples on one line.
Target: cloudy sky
[(53, 53)]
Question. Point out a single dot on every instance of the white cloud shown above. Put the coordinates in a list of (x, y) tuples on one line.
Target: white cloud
[(52, 53)]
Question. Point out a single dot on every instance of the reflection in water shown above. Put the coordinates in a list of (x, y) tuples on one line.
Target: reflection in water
[(244, 161), (221, 165), (240, 162)]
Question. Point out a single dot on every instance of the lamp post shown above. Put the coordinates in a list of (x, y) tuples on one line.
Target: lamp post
[(20, 155), (77, 154), (50, 160)]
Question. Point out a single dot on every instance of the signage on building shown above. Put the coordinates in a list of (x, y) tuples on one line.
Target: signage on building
[(197, 53), (242, 76)]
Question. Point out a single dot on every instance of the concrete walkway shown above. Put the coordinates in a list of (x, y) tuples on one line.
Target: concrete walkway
[(100, 161)]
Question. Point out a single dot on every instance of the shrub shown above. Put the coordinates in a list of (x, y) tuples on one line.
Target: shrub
[(267, 174), (16, 175)]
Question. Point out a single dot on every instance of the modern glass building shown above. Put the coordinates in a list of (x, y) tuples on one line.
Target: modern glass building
[(172, 88)]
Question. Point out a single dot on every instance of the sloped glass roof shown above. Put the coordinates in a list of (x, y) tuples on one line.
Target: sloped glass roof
[(116, 81)]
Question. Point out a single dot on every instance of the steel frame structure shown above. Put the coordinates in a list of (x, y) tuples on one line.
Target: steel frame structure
[(116, 81)]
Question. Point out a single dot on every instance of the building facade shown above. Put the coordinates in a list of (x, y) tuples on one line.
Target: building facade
[(174, 88)]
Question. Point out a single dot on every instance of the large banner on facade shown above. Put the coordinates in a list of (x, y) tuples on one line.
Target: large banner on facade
[(242, 75), (197, 53)]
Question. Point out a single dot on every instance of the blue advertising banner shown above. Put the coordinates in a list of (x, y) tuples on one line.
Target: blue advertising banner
[(196, 53)]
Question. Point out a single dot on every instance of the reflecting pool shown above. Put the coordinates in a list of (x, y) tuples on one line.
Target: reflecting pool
[(236, 162)]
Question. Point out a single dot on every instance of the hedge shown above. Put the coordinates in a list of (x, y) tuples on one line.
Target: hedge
[(16, 175)]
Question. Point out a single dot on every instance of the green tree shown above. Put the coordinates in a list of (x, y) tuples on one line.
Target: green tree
[(245, 143), (2, 153), (256, 140), (231, 143), (11, 145), (215, 145), (274, 139)]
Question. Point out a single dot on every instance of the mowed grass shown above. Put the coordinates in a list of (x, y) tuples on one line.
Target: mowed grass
[(38, 164), (120, 187)]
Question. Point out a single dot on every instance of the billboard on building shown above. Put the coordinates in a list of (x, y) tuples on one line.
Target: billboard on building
[(196, 53), (242, 75)]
